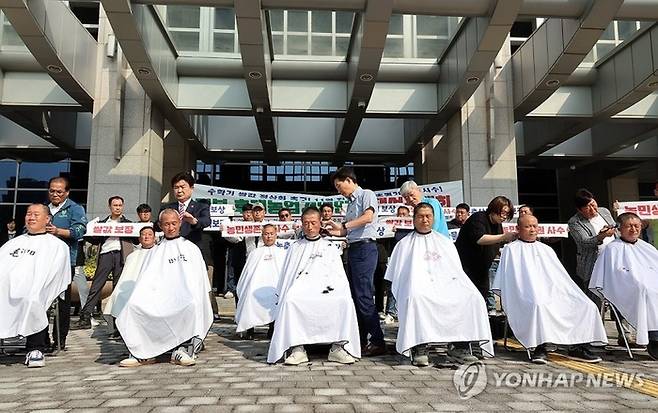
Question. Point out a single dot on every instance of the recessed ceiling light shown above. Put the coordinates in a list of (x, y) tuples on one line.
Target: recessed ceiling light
[(473, 79), (255, 75), (267, 140), (345, 141), (54, 69), (553, 83), (653, 84), (145, 71)]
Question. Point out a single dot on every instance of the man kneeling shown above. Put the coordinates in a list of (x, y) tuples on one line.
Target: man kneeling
[(542, 303), (315, 304), (437, 302), (626, 273), (169, 305), (35, 270)]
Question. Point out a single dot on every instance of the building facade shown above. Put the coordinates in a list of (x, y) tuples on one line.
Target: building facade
[(527, 98)]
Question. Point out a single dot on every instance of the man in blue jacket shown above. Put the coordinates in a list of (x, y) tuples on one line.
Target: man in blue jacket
[(413, 196), (69, 223)]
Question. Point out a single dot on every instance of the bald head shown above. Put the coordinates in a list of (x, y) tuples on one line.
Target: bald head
[(170, 223), (527, 225)]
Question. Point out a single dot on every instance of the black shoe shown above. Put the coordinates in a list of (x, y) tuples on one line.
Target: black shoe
[(582, 353), (115, 335), (83, 324), (55, 347), (216, 318), (539, 356), (652, 349)]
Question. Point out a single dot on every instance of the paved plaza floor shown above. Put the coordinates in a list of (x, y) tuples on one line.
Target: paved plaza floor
[(232, 375)]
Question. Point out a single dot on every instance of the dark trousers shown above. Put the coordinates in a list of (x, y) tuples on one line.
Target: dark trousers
[(362, 260), (110, 262), (380, 285), (63, 317), (38, 341)]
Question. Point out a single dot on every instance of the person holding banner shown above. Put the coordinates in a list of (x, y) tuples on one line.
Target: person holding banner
[(314, 301), (111, 257), (360, 228), (35, 270), (169, 304), (461, 215), (68, 223), (327, 210), (130, 274), (437, 303), (413, 196), (626, 273), (542, 303), (257, 287)]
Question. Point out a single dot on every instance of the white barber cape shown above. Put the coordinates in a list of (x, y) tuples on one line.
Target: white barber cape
[(627, 275), (169, 303), (126, 285), (542, 303), (437, 302), (315, 303), (34, 270), (257, 288)]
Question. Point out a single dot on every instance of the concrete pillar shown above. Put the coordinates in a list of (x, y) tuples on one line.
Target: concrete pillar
[(126, 155), (478, 146), (178, 157)]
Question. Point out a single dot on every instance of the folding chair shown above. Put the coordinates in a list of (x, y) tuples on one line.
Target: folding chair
[(618, 320), (19, 343)]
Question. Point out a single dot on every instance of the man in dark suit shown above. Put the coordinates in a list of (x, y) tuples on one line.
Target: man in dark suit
[(195, 216)]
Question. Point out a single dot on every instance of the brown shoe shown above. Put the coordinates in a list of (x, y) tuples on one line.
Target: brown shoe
[(373, 351)]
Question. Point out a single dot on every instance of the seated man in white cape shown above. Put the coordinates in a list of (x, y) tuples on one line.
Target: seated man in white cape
[(626, 273), (129, 275), (169, 305), (257, 287), (315, 304), (542, 303), (437, 302), (35, 270)]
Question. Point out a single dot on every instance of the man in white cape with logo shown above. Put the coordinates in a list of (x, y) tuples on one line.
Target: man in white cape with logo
[(169, 305), (315, 304), (257, 286), (437, 302), (626, 273), (542, 303), (35, 270), (129, 276)]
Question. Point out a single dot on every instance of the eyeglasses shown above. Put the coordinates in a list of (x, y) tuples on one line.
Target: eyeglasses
[(58, 192)]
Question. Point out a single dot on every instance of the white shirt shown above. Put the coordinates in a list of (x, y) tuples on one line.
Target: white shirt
[(598, 223), (111, 243), (55, 209)]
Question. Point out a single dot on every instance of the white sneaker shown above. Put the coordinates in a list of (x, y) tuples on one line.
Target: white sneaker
[(228, 294), (297, 356), (382, 316), (35, 358), (493, 313), (338, 354), (135, 362), (389, 319), (420, 356), (181, 358)]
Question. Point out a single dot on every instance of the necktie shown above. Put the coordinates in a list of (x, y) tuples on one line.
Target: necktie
[(181, 210)]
